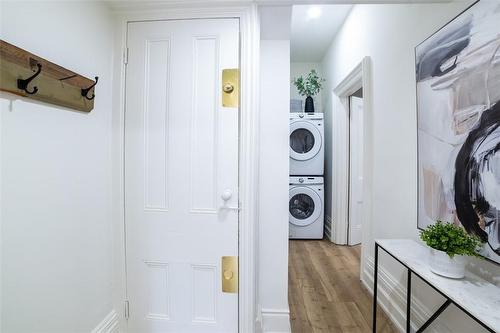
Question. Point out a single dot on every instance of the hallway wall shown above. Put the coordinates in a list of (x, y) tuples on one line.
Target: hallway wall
[(273, 192), (273, 173), (388, 35), (56, 238)]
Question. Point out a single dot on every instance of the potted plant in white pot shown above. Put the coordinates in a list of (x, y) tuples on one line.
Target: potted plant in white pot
[(309, 87), (450, 245)]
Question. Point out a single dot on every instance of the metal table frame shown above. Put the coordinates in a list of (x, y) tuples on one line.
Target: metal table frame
[(408, 298)]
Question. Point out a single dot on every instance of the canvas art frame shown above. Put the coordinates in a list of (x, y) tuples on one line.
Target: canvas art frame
[(458, 125)]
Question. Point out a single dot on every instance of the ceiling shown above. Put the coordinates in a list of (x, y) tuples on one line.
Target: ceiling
[(144, 4), (313, 29)]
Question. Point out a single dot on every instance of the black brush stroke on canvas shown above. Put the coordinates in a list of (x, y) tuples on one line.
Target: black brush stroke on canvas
[(471, 204)]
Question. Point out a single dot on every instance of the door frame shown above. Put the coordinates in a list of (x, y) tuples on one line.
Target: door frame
[(358, 77), (248, 145), (349, 171)]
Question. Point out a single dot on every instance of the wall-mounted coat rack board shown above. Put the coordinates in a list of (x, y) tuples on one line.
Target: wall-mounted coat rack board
[(25, 74)]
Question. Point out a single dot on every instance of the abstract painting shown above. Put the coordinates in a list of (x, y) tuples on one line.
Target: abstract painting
[(458, 111)]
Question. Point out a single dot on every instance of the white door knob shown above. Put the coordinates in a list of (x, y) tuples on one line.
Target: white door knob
[(226, 195)]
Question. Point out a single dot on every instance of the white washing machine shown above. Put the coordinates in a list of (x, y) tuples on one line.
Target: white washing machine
[(305, 208), (307, 148)]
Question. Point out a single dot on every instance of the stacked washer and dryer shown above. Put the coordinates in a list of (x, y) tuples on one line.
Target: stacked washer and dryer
[(306, 208)]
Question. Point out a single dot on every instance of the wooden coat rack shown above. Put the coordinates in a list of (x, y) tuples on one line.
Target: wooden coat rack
[(25, 74)]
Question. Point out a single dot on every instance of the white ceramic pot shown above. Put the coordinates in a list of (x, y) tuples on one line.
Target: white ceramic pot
[(442, 264)]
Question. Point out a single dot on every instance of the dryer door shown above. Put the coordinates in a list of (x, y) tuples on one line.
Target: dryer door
[(305, 140), (304, 206)]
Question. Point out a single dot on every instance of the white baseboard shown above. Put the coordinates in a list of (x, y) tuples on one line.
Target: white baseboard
[(392, 299), (258, 320), (108, 325), (275, 320)]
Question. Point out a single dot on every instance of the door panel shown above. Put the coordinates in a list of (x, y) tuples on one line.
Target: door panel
[(204, 145), (181, 154), (356, 171), (156, 124)]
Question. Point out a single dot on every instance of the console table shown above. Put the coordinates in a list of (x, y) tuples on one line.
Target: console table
[(473, 295)]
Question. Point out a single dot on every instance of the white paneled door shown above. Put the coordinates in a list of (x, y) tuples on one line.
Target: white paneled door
[(355, 170), (181, 176)]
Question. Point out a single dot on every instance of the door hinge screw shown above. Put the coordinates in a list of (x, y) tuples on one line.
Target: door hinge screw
[(125, 56), (127, 310)]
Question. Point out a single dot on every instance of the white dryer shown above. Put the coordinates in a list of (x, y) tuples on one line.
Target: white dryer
[(305, 208), (307, 148)]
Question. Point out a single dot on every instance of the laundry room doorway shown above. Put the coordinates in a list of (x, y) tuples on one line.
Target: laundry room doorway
[(327, 248)]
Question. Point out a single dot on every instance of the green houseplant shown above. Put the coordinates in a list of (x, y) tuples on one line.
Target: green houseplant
[(309, 86), (450, 244)]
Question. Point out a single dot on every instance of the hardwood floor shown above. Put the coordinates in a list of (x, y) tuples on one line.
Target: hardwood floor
[(325, 293)]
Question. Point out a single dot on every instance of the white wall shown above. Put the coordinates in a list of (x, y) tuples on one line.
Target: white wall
[(388, 35), (56, 241), (273, 184), (303, 68)]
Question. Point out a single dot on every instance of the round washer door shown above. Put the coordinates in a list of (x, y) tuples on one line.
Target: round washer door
[(304, 206), (305, 140)]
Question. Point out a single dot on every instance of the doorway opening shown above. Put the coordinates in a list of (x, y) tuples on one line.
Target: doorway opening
[(327, 188)]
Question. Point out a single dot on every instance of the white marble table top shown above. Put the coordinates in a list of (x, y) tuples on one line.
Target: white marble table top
[(476, 295)]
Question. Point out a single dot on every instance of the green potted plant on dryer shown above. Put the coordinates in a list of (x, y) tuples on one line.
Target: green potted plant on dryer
[(309, 86), (450, 245)]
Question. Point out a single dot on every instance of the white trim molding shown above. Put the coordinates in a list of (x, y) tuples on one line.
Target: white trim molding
[(249, 167), (359, 77), (109, 324), (249, 146), (275, 320), (340, 119)]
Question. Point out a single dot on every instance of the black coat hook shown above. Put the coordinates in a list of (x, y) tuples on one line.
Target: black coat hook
[(23, 83), (85, 91)]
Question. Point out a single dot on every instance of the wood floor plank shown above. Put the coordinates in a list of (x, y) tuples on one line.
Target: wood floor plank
[(313, 294), (325, 293)]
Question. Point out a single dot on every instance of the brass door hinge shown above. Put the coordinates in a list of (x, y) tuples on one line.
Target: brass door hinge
[(230, 274), (231, 87)]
